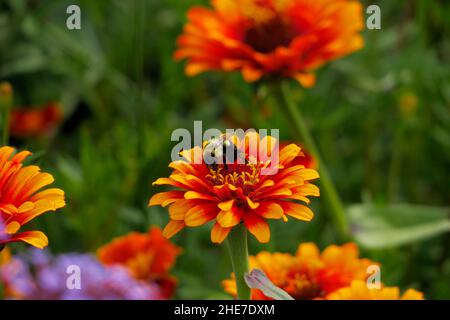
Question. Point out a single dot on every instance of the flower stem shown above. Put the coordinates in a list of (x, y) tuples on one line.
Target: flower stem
[(238, 250), (328, 190), (2, 292), (6, 100)]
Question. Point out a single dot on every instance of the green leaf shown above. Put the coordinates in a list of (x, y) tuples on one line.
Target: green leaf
[(392, 226)]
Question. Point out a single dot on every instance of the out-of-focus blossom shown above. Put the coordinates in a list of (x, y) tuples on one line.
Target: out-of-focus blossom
[(408, 104), (231, 192), (35, 122), (287, 38), (308, 274), (148, 256), (21, 198), (6, 95), (38, 275), (358, 290)]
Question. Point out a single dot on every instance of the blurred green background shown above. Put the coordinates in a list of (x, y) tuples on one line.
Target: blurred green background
[(381, 118)]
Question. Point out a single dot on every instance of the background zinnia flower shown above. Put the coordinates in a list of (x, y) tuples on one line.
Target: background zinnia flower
[(308, 274), (148, 256), (358, 290), (39, 276), (234, 193), (288, 38), (34, 122), (21, 199)]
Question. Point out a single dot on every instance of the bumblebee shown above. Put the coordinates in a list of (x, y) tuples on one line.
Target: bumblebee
[(222, 151)]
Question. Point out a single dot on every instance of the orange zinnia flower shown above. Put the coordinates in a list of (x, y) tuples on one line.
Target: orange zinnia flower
[(235, 192), (359, 291), (288, 38), (148, 256), (309, 274), (28, 122), (20, 198)]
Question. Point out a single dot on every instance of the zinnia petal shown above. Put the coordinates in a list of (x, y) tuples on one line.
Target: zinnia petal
[(165, 198), (230, 218), (219, 233), (200, 214), (172, 228), (270, 210), (35, 238), (297, 211), (258, 227)]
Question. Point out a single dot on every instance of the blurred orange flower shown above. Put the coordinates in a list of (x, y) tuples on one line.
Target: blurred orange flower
[(237, 192), (308, 274), (288, 38), (358, 290), (148, 256), (32, 122), (20, 198)]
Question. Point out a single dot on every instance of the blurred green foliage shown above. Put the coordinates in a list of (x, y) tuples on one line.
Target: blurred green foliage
[(381, 118)]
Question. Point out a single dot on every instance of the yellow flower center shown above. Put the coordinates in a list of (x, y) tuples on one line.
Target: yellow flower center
[(238, 175), (301, 287)]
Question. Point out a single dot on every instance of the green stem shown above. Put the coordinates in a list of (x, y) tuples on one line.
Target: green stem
[(6, 100), (328, 190), (238, 250)]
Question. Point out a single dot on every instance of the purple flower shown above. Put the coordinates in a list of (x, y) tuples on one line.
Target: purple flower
[(40, 276), (3, 234)]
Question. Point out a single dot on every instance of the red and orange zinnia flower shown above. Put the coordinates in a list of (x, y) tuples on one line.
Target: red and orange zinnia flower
[(358, 290), (20, 198), (148, 256), (33, 122), (308, 274), (238, 192), (288, 38)]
